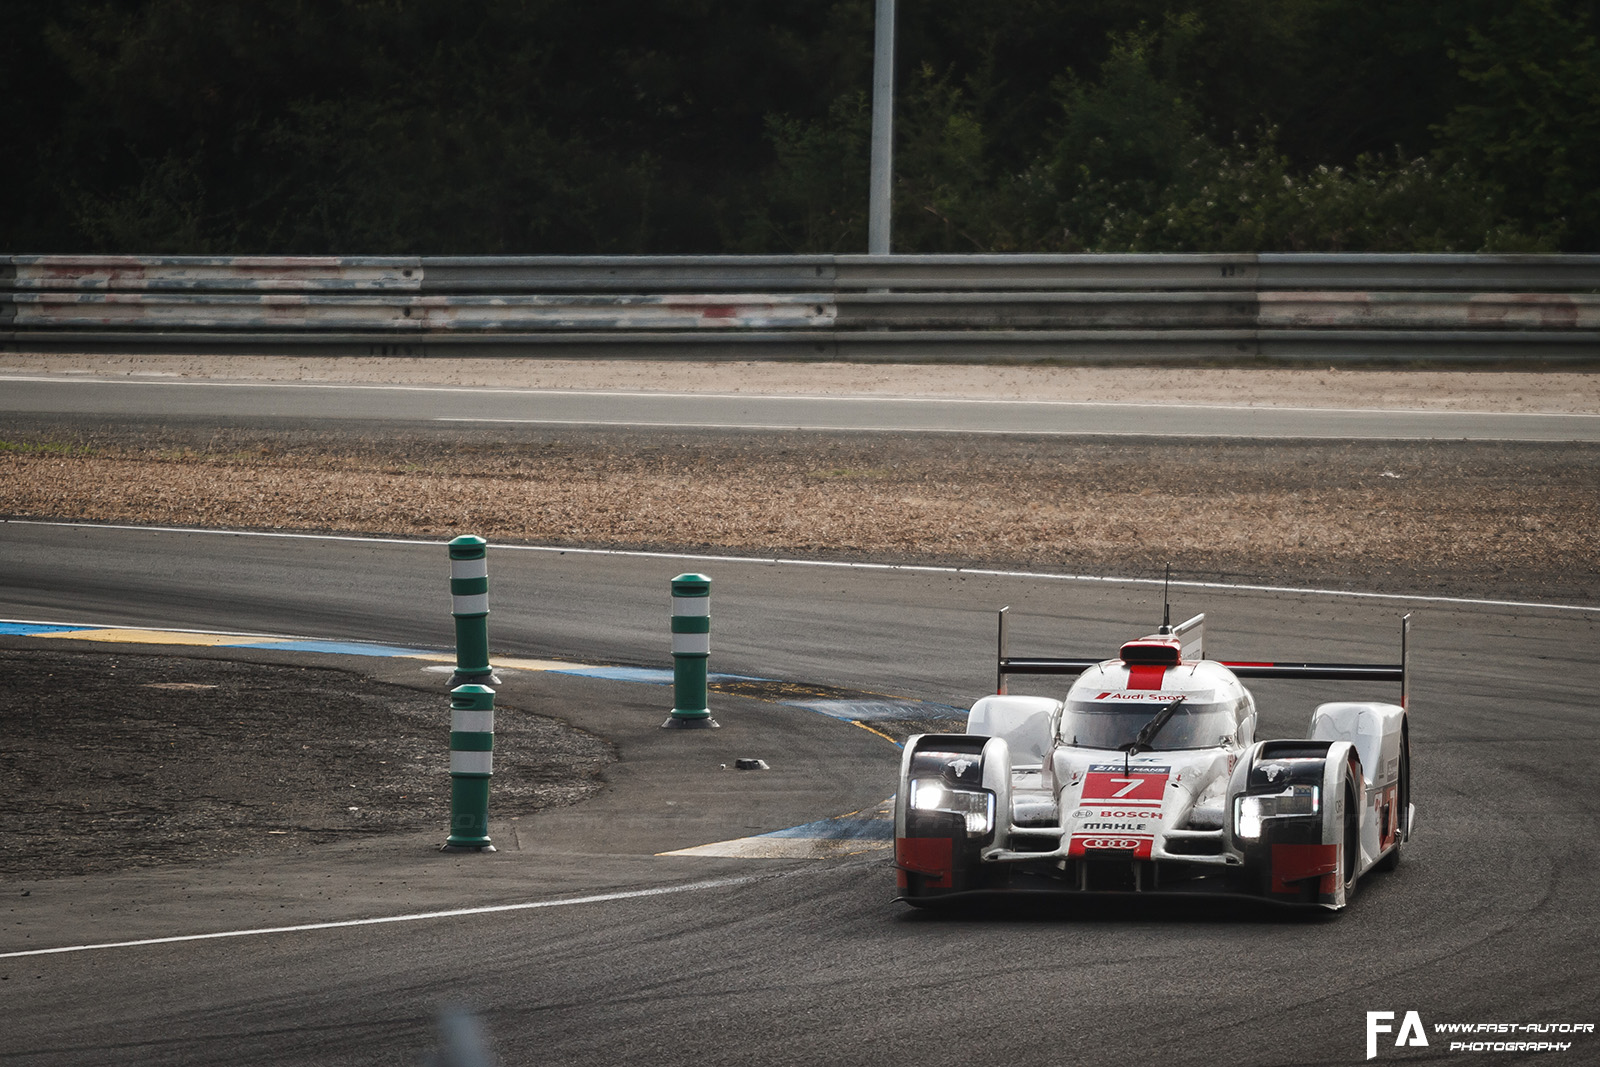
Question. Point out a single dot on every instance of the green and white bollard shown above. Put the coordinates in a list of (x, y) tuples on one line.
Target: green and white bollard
[(471, 767), (691, 649), (469, 603)]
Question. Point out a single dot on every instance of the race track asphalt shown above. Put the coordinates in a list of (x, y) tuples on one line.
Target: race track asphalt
[(454, 407), (805, 961)]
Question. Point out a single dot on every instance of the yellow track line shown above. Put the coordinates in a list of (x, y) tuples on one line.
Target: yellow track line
[(870, 730)]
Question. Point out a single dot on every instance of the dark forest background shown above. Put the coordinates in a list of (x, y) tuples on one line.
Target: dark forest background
[(705, 126)]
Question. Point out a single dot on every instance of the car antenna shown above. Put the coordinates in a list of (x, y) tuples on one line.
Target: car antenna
[(1166, 602)]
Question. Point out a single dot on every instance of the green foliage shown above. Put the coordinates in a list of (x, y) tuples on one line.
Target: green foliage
[(942, 195), (1126, 138), (816, 191), (1249, 199), (1530, 123), (537, 126)]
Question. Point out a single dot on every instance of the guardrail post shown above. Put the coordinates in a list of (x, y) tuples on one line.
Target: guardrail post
[(691, 649), (469, 603), (471, 767)]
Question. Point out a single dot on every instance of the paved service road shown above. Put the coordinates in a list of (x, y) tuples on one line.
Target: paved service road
[(1490, 919), (300, 403)]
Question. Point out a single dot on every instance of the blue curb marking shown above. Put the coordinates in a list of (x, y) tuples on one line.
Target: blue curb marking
[(647, 675), (346, 648), (840, 830), (844, 710)]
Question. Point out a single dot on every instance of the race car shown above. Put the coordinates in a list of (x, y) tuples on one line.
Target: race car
[(1148, 779)]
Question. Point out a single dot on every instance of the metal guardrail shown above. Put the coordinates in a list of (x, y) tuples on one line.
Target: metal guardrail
[(944, 307), (208, 273), (828, 273), (409, 314)]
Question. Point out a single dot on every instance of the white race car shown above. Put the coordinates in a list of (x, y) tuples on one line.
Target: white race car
[(1148, 778)]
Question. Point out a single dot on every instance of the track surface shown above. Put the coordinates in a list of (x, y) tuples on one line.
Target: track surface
[(1489, 919), (299, 403)]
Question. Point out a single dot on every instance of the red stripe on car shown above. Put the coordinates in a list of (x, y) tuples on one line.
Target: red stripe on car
[(1146, 676)]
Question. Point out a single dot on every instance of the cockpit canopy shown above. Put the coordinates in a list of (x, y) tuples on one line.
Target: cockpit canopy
[(1113, 720)]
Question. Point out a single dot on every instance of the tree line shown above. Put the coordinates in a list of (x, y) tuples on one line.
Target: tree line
[(716, 126)]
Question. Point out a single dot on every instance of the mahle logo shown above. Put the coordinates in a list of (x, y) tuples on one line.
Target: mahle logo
[(1411, 1032)]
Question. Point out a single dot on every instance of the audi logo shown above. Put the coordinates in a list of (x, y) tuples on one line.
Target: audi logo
[(1117, 844)]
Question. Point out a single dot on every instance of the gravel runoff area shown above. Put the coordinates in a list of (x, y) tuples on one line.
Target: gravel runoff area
[(1454, 518)]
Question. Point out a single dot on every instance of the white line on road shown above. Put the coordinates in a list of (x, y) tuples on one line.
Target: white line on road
[(598, 898), (779, 561)]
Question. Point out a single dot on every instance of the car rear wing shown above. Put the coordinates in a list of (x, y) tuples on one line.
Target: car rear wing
[(1190, 637)]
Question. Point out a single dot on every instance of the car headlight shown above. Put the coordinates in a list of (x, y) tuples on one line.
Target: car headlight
[(1251, 813), (976, 807)]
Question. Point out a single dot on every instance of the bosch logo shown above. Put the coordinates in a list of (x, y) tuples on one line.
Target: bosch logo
[(1114, 844)]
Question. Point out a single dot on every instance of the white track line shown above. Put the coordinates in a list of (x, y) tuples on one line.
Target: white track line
[(911, 568), (598, 898)]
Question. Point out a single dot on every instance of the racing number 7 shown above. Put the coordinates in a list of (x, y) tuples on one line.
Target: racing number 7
[(1113, 785)]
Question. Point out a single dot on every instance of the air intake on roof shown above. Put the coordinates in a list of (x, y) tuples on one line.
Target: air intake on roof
[(1157, 650)]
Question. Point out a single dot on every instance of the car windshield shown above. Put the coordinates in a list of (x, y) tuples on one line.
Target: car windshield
[(1102, 724)]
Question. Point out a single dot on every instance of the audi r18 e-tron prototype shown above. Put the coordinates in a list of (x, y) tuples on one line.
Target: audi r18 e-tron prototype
[(1148, 778)]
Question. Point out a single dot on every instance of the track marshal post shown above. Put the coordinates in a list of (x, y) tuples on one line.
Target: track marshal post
[(469, 603), (691, 649), (471, 767)]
